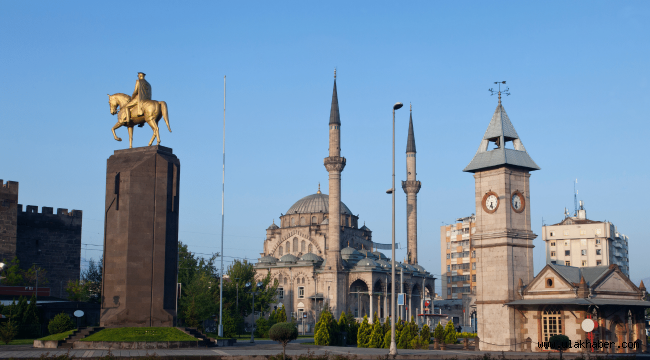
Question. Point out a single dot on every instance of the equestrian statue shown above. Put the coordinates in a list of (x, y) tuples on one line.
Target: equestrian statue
[(138, 109)]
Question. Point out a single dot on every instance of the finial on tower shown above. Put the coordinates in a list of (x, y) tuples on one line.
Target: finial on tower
[(334, 73), (410, 107), (318, 192), (506, 91)]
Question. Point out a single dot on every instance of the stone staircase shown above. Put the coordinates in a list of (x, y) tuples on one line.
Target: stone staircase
[(78, 335), (204, 340)]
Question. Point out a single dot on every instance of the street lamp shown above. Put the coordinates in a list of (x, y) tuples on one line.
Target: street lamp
[(258, 285), (393, 345)]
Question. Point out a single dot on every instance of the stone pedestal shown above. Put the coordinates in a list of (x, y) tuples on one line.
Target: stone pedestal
[(141, 238)]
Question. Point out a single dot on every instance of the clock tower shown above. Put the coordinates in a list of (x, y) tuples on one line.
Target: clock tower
[(503, 240)]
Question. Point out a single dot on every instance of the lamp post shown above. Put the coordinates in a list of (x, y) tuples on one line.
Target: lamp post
[(393, 345), (257, 286)]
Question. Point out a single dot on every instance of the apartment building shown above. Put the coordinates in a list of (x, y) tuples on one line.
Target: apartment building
[(458, 261), (578, 241)]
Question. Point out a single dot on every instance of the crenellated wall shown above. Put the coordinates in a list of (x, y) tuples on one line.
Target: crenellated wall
[(8, 218), (52, 242)]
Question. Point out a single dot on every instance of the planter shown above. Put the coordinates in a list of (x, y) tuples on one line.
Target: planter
[(443, 346), (47, 344)]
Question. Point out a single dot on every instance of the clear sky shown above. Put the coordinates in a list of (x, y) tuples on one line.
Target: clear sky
[(578, 74)]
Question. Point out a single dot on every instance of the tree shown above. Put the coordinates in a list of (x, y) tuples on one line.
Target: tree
[(281, 314), (559, 343), (450, 333), (439, 333), (198, 303), (8, 331), (93, 277), (404, 339), (322, 335), (363, 334), (13, 273), (33, 274), (60, 323), (353, 327), (425, 336), (262, 328), (283, 333), (386, 344), (77, 291), (376, 336)]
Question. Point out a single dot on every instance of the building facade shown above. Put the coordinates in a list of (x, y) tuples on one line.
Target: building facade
[(318, 258), (578, 241), (458, 260), (51, 241)]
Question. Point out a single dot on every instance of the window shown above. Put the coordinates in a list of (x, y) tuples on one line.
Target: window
[(599, 252), (301, 292), (474, 266), (474, 290), (448, 245), (286, 281), (474, 278), (310, 248), (599, 231), (302, 221), (458, 278), (567, 252), (552, 243), (597, 241), (280, 293), (552, 233), (567, 263), (551, 322), (288, 247), (460, 266), (448, 279), (356, 313), (448, 291), (474, 253), (303, 280), (302, 246), (583, 242), (549, 283), (313, 220), (584, 262), (566, 242), (448, 256), (280, 251), (448, 267), (583, 231), (295, 244), (599, 262), (552, 253), (293, 221), (461, 290), (566, 232), (583, 252)]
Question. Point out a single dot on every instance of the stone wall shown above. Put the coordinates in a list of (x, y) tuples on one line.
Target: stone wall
[(52, 241), (8, 220)]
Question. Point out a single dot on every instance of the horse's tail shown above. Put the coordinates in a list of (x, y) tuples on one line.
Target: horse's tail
[(163, 108)]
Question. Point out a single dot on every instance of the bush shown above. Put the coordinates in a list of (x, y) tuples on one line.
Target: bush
[(283, 333), (8, 331), (450, 333), (60, 323), (262, 328), (559, 342), (322, 330), (376, 336), (439, 333), (386, 344), (363, 334)]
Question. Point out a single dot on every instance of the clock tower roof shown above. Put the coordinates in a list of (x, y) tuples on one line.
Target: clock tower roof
[(500, 131)]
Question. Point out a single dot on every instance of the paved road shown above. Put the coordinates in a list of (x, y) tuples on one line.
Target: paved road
[(263, 347)]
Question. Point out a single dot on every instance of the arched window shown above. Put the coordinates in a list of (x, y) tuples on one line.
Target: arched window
[(313, 220), (310, 248), (288, 248), (293, 221), (286, 281), (280, 251), (303, 280), (551, 322), (302, 221), (302, 246), (295, 244)]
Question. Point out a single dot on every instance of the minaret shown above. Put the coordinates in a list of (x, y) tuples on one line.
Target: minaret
[(411, 187), (334, 165)]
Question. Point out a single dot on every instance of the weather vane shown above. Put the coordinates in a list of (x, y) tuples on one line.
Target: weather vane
[(505, 91)]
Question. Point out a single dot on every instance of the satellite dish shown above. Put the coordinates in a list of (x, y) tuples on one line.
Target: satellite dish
[(587, 325), (78, 313)]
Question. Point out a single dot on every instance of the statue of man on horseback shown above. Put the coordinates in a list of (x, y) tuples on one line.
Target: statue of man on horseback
[(138, 110)]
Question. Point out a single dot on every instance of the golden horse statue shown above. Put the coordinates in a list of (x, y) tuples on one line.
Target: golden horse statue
[(152, 112)]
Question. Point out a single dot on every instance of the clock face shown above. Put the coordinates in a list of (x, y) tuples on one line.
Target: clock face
[(490, 202), (517, 201)]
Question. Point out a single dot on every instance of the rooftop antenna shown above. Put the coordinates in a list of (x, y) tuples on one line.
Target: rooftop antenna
[(505, 91), (575, 199)]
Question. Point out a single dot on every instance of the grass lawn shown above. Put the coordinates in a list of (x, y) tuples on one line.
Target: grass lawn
[(140, 334), (20, 342), (59, 336)]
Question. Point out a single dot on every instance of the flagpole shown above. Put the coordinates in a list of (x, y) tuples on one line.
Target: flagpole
[(223, 187)]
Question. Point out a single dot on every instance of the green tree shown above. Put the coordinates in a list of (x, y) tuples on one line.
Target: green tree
[(13, 273), (450, 333), (323, 327), (376, 336), (425, 336), (33, 274), (262, 328), (93, 277), (60, 323), (352, 326), (281, 315), (439, 333), (199, 302), (386, 344), (560, 343), (363, 334), (77, 291), (8, 331), (404, 339), (283, 333)]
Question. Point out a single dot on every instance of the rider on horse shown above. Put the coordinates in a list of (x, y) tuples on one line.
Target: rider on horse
[(141, 93)]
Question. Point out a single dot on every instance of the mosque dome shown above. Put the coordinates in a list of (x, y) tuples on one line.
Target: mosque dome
[(273, 226), (383, 264), (367, 263), (268, 260), (311, 257), (288, 259), (350, 251), (419, 268), (316, 203)]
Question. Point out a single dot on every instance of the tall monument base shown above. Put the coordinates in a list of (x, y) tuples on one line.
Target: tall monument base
[(141, 238)]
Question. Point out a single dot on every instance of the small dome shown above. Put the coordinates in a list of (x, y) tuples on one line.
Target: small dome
[(268, 259), (367, 263), (313, 204), (311, 257), (364, 227), (368, 253), (379, 254), (419, 268), (350, 251), (408, 267), (288, 259), (383, 264), (273, 226)]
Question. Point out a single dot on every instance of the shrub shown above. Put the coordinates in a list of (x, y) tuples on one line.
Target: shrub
[(363, 334), (439, 333), (60, 323), (376, 336), (559, 342), (425, 336), (262, 328), (403, 340), (322, 334), (386, 344), (283, 333), (8, 331), (450, 333)]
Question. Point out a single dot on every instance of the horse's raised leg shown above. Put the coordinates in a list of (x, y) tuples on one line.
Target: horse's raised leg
[(116, 126), (130, 137), (154, 128)]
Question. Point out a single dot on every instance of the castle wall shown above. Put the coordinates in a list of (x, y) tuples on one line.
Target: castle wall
[(8, 219), (52, 242)]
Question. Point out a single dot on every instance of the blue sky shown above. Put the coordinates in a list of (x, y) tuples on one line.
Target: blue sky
[(578, 73)]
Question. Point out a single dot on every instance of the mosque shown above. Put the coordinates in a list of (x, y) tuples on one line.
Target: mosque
[(319, 259)]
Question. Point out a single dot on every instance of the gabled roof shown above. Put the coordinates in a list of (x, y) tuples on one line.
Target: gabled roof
[(572, 274), (335, 118), (410, 142), (501, 130)]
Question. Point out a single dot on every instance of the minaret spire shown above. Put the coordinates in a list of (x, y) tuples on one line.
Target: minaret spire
[(411, 187)]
